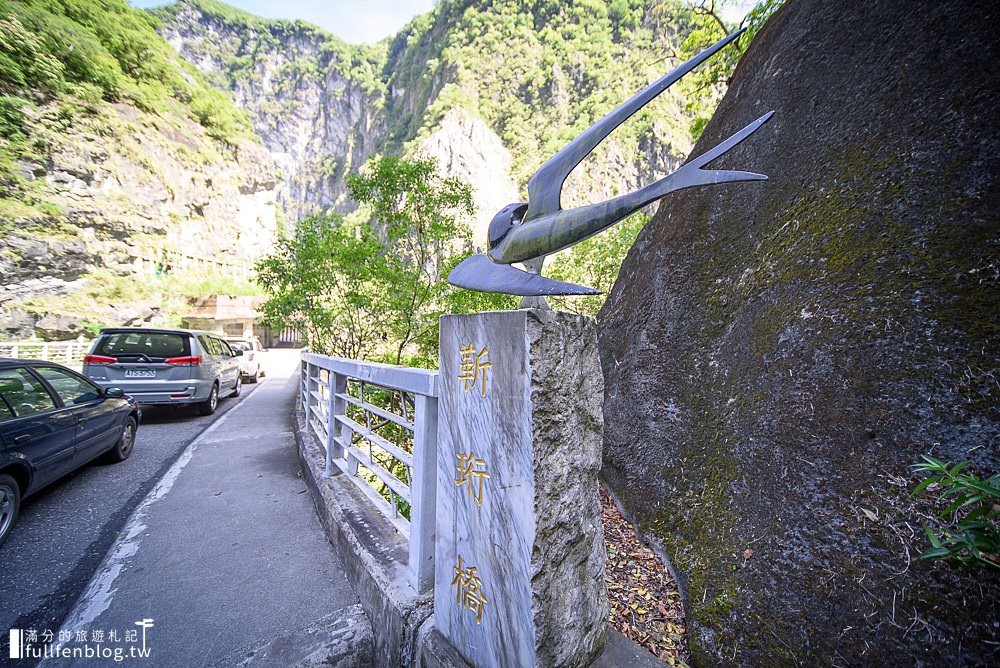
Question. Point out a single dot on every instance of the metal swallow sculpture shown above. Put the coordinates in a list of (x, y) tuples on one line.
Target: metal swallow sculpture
[(528, 231)]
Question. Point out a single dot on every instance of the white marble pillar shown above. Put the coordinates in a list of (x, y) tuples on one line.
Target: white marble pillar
[(519, 557)]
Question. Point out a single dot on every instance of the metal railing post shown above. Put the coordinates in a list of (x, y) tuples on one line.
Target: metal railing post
[(313, 382), (307, 381), (424, 493), (339, 408), (331, 380)]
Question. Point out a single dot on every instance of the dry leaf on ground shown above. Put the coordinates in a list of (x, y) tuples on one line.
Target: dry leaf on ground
[(645, 604)]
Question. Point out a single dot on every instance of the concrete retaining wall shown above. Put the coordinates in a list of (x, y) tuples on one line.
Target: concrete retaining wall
[(375, 558)]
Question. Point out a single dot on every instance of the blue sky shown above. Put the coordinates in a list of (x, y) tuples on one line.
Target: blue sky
[(354, 21), (366, 21)]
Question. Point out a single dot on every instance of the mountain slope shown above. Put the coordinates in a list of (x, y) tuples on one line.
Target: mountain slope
[(113, 150), (522, 77)]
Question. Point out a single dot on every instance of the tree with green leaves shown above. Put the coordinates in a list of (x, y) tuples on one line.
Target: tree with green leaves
[(325, 281), (419, 215), (704, 87), (595, 263), (374, 285)]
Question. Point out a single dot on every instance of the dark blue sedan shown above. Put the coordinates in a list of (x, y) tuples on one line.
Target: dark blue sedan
[(52, 421)]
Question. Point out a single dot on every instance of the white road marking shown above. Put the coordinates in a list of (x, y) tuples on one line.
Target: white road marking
[(101, 590)]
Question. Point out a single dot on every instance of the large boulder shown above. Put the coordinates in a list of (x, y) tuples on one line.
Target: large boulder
[(16, 324), (59, 327), (777, 354)]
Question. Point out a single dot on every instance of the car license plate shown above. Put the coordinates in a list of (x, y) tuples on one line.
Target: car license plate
[(140, 373)]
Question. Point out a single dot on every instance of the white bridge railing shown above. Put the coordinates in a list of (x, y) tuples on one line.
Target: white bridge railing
[(378, 424), (156, 261), (69, 353)]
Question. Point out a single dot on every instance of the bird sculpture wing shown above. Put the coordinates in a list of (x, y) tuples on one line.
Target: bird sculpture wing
[(480, 273), (566, 227), (546, 227), (545, 186)]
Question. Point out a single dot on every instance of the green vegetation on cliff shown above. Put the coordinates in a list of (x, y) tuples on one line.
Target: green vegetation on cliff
[(104, 49), (542, 71), (539, 72), (61, 60), (250, 39)]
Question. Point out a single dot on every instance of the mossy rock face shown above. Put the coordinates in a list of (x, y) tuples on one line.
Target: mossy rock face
[(776, 354)]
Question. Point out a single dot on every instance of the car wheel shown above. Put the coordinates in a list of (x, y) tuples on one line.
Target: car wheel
[(208, 406), (10, 503), (238, 387), (123, 448)]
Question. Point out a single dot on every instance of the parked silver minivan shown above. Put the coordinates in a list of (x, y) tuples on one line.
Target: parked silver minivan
[(165, 366)]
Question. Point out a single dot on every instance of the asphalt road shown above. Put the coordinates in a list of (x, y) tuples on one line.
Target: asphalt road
[(227, 554), (64, 531)]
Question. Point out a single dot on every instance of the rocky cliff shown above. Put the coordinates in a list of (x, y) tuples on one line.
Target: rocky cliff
[(777, 354), (126, 181), (110, 161), (314, 100), (122, 186), (491, 91)]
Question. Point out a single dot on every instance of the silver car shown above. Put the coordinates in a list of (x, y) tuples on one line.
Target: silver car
[(166, 366)]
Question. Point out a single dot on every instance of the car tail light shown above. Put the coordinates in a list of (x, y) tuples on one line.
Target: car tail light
[(99, 359), (250, 356), (194, 360)]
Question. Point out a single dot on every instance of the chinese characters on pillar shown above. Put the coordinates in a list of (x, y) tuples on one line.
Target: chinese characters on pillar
[(474, 368), (471, 472), (468, 593)]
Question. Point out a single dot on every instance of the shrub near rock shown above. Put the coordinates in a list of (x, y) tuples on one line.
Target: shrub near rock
[(778, 354)]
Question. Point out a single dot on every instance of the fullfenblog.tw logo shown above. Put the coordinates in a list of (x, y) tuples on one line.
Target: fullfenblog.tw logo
[(81, 644)]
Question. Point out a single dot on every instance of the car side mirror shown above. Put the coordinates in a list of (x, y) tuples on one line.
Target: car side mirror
[(114, 393)]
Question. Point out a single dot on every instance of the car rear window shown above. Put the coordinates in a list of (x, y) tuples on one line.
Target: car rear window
[(239, 345), (138, 345)]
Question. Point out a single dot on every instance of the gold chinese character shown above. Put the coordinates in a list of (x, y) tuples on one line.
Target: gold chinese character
[(468, 595), (472, 366), (467, 471)]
